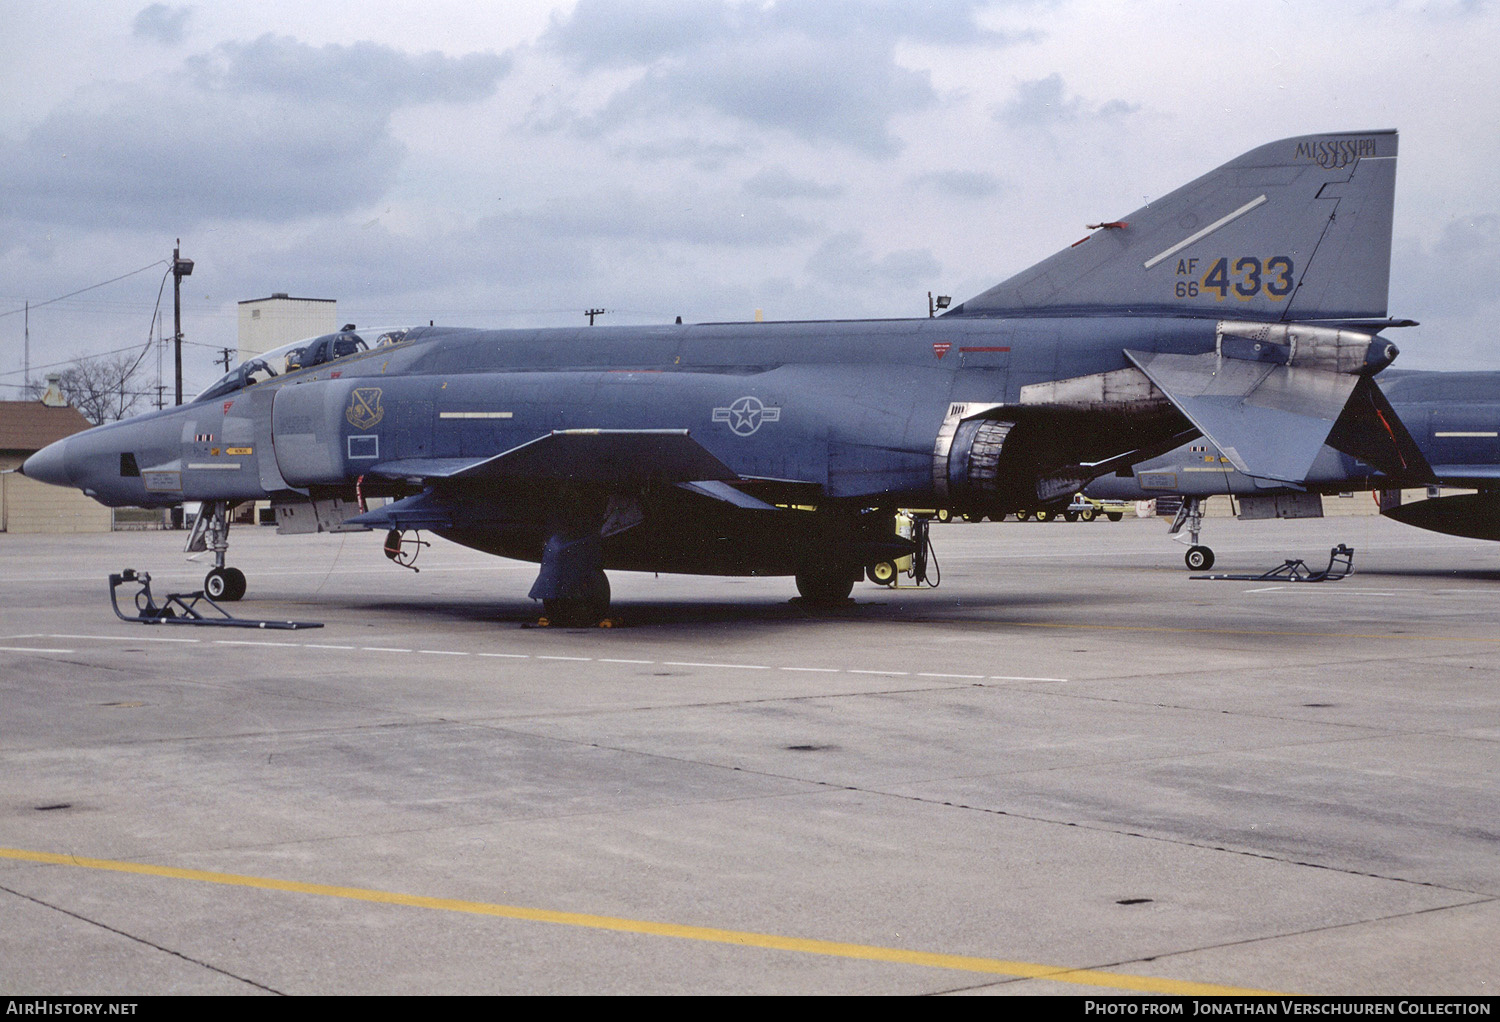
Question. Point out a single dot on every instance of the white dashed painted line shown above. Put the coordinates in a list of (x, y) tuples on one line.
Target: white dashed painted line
[(741, 667), (518, 656), (111, 638), (258, 642)]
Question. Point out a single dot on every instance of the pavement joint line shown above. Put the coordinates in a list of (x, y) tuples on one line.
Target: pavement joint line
[(812, 946)]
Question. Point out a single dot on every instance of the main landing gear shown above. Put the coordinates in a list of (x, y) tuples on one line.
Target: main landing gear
[(1190, 514), (211, 532)]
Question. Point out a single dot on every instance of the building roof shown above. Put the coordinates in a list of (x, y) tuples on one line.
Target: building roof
[(31, 425), (282, 297)]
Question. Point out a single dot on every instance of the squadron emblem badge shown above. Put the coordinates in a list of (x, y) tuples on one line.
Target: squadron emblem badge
[(365, 410)]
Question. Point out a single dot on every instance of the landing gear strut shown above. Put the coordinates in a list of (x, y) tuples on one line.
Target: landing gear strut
[(211, 532), (1198, 557)]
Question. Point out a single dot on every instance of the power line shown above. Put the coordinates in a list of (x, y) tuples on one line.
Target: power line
[(91, 287)]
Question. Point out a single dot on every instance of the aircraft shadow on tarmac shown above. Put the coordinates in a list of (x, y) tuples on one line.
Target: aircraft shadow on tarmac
[(872, 605)]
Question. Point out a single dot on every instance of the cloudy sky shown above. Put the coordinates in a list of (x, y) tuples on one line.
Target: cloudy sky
[(514, 164)]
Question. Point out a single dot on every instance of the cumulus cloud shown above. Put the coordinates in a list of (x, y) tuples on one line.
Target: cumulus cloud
[(780, 183), (820, 70), (1045, 102), (960, 184), (845, 260), (270, 130), (164, 24)]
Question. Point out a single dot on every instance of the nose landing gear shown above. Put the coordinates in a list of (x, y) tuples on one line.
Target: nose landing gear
[(211, 532)]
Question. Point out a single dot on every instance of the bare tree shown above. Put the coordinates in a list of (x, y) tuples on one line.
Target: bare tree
[(101, 387)]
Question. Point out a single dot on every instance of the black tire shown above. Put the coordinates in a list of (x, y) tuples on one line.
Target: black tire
[(580, 611), (1071, 516), (224, 585), (1044, 515), (943, 514), (882, 573), (1199, 558), (825, 584), (1115, 516), (1023, 516)]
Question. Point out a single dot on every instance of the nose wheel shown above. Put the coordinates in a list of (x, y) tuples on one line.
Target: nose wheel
[(224, 584), (1199, 558)]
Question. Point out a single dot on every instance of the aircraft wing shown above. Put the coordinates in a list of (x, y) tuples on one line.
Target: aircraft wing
[(606, 456), (1270, 420)]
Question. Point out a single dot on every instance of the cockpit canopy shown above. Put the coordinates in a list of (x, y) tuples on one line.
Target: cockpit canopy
[(290, 358)]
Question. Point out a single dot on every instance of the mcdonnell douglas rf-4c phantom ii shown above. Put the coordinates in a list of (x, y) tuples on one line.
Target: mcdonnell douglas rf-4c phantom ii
[(1243, 306)]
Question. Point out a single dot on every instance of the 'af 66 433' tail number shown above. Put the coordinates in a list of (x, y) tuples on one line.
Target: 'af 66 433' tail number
[(1243, 277)]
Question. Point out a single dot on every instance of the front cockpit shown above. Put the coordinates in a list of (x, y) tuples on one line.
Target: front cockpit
[(296, 356)]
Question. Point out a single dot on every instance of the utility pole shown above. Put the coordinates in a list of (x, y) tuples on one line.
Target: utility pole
[(225, 354), (591, 313), (27, 378), (180, 268)]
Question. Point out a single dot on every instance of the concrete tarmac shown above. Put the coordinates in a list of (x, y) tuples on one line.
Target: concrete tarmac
[(1070, 769)]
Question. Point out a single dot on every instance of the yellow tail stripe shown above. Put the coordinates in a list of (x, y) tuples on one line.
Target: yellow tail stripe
[(866, 952)]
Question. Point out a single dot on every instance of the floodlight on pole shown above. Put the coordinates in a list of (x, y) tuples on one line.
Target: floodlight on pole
[(180, 268)]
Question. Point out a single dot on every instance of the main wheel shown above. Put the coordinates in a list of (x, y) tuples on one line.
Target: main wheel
[(882, 573), (1023, 516), (224, 584), (825, 583), (1199, 558), (1044, 515), (580, 611)]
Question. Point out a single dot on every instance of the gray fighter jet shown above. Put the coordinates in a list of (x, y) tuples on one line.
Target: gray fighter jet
[(1454, 418), (1243, 306)]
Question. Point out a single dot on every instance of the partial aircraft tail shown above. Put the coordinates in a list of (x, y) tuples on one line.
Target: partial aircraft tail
[(1297, 230)]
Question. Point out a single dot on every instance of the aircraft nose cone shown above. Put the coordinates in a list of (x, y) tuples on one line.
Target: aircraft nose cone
[(48, 465)]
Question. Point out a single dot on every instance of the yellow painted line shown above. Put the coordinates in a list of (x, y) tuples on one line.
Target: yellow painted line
[(836, 949)]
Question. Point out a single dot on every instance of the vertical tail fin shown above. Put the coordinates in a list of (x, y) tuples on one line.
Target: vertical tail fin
[(1296, 230)]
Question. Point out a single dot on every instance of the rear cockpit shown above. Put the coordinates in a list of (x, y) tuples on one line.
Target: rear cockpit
[(296, 356)]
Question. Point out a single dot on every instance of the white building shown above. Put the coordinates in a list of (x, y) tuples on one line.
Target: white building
[(267, 323)]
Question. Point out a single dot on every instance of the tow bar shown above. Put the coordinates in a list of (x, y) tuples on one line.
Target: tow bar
[(182, 608)]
